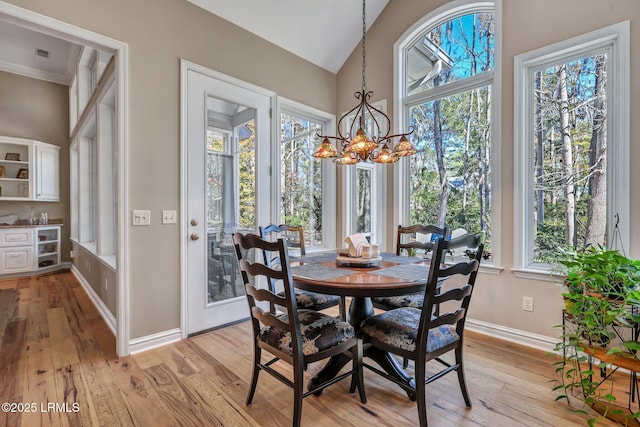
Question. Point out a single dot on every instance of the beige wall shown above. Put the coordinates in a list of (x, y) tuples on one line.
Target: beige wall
[(526, 25), (35, 109), (158, 34)]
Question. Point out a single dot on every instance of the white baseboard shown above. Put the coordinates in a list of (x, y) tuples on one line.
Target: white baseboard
[(540, 342), (148, 342), (109, 318)]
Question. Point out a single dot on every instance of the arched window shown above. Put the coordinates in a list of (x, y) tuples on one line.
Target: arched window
[(447, 95)]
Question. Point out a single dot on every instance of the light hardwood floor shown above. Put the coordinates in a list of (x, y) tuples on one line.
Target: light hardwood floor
[(55, 348)]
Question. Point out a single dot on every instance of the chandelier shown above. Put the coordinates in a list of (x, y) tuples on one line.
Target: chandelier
[(351, 148)]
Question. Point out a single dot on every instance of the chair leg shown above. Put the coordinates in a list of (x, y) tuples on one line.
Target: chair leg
[(461, 380), (343, 309), (298, 391), (257, 354), (421, 394)]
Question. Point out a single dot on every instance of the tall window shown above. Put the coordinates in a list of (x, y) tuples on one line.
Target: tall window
[(305, 185), (93, 179), (447, 99), (300, 176), (567, 149)]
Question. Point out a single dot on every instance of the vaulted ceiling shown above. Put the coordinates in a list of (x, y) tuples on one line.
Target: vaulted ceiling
[(324, 32)]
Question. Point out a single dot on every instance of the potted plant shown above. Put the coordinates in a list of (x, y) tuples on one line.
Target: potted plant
[(601, 321)]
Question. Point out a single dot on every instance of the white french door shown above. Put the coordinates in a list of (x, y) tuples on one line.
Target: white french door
[(225, 190)]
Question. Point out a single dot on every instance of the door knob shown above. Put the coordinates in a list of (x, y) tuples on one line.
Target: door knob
[(194, 222), (194, 236)]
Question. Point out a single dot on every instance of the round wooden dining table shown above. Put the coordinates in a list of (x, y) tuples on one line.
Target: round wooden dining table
[(395, 275)]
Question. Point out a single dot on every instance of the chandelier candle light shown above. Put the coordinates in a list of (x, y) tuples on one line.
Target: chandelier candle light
[(362, 147)]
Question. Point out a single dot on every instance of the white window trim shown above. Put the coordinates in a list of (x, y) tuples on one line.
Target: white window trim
[(616, 40), (329, 211), (401, 111)]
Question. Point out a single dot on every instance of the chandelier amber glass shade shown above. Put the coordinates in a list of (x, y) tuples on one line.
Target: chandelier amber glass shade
[(385, 155), (404, 147), (347, 159), (326, 150), (361, 144)]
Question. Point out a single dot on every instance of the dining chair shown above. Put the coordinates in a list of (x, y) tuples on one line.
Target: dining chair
[(295, 239), (407, 242), (421, 336), (298, 336)]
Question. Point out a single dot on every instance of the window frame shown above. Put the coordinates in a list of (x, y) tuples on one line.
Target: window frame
[(329, 209), (403, 103), (615, 41), (93, 155)]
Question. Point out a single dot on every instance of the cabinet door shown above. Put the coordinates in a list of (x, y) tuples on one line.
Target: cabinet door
[(47, 172), (16, 260)]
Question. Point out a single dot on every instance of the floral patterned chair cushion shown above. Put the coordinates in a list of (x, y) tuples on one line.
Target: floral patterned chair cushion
[(311, 300), (399, 328), (319, 332), (411, 300)]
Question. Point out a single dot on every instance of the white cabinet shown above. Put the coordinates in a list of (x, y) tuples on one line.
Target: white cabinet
[(29, 170), (47, 172), (25, 249), (16, 250)]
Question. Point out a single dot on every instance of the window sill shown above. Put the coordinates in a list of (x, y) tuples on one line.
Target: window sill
[(491, 269), (108, 261), (543, 275)]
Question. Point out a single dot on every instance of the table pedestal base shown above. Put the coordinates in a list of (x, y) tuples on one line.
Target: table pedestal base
[(359, 310)]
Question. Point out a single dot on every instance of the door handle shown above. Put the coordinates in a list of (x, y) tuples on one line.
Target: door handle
[(194, 222), (194, 236)]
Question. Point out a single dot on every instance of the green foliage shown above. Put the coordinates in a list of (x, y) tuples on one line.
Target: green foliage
[(601, 287)]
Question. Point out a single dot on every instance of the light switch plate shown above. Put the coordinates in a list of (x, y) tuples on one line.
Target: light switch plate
[(169, 217), (141, 217)]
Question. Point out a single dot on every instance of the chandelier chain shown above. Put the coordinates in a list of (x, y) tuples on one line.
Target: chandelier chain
[(364, 55)]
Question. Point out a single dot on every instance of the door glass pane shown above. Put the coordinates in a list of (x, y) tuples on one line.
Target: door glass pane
[(230, 192)]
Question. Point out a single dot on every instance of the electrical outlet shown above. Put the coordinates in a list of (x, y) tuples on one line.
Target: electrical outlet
[(72, 254), (106, 284), (141, 217), (527, 303)]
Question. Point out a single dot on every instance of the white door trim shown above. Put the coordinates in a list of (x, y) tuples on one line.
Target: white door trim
[(47, 25)]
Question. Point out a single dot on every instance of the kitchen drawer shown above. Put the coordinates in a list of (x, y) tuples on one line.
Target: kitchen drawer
[(16, 237), (16, 260)]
